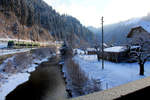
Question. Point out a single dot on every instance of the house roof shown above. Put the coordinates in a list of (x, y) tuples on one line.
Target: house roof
[(116, 49), (136, 28)]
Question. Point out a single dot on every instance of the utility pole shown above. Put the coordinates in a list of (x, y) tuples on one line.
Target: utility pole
[(18, 39), (102, 43)]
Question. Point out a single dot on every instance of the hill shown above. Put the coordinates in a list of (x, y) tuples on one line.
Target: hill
[(35, 20)]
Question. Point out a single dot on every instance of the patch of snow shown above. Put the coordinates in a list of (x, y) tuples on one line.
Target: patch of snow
[(3, 45), (105, 45), (38, 61), (5, 61), (114, 74), (12, 82), (32, 68), (13, 51), (134, 47), (115, 49)]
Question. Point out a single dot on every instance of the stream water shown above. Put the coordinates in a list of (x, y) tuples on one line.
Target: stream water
[(45, 83)]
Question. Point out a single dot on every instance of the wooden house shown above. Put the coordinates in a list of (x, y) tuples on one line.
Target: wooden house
[(116, 54), (91, 51), (140, 36), (139, 33)]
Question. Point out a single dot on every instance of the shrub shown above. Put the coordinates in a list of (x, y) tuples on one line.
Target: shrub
[(77, 76), (22, 60), (79, 82), (9, 68), (43, 52)]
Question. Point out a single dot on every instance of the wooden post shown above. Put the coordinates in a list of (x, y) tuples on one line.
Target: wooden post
[(102, 43)]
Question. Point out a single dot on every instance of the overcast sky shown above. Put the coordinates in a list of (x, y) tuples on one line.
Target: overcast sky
[(89, 12)]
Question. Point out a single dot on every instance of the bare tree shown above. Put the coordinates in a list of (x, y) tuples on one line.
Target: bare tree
[(97, 48), (141, 52)]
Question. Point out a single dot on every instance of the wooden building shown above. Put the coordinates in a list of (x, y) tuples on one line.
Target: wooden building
[(91, 51), (116, 54), (139, 33)]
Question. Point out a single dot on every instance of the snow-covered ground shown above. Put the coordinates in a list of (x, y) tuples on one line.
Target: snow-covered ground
[(114, 74), (13, 51), (11, 83)]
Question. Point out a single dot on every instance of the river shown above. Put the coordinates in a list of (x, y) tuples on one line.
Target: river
[(46, 83)]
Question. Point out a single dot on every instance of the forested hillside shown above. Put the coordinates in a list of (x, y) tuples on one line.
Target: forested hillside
[(34, 19)]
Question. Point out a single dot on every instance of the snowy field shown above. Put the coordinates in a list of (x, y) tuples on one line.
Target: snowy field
[(113, 74)]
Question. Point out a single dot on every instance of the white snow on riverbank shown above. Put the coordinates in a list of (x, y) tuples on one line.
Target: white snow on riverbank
[(12, 82), (33, 66), (114, 74)]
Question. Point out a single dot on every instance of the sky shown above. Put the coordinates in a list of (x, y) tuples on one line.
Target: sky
[(89, 12)]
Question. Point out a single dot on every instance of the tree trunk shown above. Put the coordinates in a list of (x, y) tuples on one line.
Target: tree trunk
[(98, 57), (141, 69)]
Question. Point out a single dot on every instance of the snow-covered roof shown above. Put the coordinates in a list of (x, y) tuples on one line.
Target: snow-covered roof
[(134, 47), (91, 49), (105, 45), (116, 49)]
